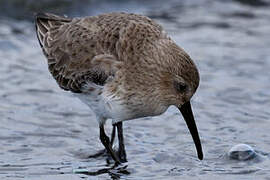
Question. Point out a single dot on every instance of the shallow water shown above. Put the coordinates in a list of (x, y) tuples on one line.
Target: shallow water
[(46, 133)]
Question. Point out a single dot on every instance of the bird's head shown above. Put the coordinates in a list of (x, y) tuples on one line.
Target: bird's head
[(180, 82)]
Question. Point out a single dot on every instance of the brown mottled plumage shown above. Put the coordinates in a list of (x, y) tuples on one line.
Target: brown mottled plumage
[(122, 65)]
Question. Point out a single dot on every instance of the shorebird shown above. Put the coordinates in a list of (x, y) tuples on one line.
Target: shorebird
[(123, 66)]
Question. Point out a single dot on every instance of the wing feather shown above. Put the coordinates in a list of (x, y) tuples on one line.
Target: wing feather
[(89, 50), (70, 50)]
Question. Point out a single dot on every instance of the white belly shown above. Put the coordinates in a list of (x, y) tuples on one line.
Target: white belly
[(104, 106), (107, 106)]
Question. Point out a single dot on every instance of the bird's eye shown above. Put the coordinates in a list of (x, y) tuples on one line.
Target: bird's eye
[(180, 87)]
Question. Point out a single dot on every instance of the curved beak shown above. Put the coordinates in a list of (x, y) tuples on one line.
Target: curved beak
[(186, 111)]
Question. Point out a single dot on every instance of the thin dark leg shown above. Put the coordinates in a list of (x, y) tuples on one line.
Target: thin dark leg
[(104, 152), (113, 135), (121, 151), (107, 144)]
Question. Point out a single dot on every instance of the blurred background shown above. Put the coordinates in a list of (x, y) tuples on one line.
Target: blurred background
[(46, 133)]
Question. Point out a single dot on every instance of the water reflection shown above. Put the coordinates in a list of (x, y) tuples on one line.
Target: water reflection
[(114, 172)]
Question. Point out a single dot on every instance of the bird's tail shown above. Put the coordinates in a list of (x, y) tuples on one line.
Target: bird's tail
[(46, 21)]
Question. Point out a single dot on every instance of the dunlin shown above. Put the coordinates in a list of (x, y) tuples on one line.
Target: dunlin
[(123, 66)]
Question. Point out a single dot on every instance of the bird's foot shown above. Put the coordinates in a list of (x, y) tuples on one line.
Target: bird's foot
[(104, 153)]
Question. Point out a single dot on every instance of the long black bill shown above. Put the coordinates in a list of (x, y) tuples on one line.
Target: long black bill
[(188, 116)]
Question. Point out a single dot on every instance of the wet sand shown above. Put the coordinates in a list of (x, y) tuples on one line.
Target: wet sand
[(46, 133)]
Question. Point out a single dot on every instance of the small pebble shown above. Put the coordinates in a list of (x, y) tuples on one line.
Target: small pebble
[(242, 152)]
